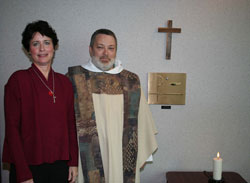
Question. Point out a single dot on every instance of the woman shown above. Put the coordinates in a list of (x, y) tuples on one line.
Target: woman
[(40, 135)]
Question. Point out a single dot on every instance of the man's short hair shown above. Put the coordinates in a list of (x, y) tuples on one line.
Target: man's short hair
[(102, 31)]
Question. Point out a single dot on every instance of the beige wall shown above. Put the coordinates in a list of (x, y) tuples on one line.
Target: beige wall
[(213, 49)]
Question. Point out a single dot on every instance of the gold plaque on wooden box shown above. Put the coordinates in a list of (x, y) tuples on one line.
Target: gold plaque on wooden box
[(167, 88)]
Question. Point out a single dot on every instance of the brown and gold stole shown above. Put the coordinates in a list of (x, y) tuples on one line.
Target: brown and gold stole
[(85, 83)]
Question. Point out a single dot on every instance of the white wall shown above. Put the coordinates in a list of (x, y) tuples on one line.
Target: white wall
[(213, 49)]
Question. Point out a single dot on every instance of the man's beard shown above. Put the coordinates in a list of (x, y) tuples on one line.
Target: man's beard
[(104, 67)]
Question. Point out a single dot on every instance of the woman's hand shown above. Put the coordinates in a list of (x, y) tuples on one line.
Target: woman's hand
[(73, 172), (28, 181)]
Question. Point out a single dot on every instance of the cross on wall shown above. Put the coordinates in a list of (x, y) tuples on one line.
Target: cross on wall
[(169, 30)]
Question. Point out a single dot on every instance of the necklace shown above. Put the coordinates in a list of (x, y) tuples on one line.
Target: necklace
[(51, 92)]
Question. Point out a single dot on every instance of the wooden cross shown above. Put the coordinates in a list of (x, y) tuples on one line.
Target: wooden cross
[(169, 30)]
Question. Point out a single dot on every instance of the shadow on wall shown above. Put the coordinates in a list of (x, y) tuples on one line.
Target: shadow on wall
[(5, 167)]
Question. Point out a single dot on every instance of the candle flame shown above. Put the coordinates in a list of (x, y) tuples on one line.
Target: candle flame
[(218, 154)]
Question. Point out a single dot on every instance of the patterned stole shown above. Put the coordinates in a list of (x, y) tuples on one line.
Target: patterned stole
[(85, 83)]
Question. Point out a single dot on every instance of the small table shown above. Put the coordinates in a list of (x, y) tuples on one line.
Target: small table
[(201, 177)]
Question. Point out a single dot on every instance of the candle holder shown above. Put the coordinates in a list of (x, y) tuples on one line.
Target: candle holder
[(211, 180)]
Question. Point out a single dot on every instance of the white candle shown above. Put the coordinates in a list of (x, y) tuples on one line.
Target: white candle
[(217, 167)]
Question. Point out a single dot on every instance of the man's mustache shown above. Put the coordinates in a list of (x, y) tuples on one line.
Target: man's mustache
[(104, 57)]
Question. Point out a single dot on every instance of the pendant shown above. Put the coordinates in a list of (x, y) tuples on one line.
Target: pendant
[(54, 98), (50, 93)]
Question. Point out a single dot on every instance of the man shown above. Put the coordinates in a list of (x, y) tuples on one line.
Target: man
[(115, 127)]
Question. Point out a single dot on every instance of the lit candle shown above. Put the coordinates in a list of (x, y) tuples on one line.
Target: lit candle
[(217, 167)]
